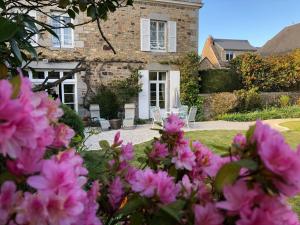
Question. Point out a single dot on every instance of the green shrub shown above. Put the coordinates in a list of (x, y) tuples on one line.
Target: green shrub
[(222, 103), (248, 100), (284, 100), (73, 120), (213, 81), (270, 113), (108, 102)]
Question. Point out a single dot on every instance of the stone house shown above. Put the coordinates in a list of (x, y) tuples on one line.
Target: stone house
[(217, 53), (145, 36)]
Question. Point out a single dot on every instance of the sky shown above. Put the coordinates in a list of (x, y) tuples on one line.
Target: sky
[(253, 20)]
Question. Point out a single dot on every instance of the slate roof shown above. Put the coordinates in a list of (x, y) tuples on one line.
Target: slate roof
[(231, 44), (285, 41)]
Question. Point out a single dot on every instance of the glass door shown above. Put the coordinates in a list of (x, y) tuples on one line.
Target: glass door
[(158, 90)]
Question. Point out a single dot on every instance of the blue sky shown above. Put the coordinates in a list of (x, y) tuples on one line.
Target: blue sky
[(254, 20)]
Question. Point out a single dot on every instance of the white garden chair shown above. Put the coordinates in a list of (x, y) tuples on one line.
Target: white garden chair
[(156, 116), (128, 121), (192, 116), (95, 117), (183, 112)]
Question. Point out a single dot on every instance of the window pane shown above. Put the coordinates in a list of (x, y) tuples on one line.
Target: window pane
[(69, 88), (53, 75), (70, 77), (162, 75), (162, 95), (67, 36), (38, 75), (161, 35), (69, 98), (153, 75), (56, 23), (153, 35)]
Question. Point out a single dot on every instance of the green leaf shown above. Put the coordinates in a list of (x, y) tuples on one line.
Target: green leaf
[(227, 175), (16, 50), (63, 3), (82, 5), (92, 12), (250, 132), (3, 71), (16, 85), (2, 4), (75, 9), (174, 209), (129, 2), (104, 144), (7, 29), (71, 13), (247, 163), (133, 205), (136, 219)]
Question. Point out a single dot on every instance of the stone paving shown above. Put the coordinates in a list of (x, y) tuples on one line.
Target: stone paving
[(144, 133)]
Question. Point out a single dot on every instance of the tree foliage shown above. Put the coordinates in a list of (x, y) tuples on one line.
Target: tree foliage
[(273, 73)]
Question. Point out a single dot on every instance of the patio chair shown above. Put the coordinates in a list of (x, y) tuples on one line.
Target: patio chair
[(128, 121), (183, 112), (156, 116), (95, 117), (192, 116)]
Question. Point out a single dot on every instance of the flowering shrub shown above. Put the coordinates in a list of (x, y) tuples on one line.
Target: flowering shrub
[(176, 182)]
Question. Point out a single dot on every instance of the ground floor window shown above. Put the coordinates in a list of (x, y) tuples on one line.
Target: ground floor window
[(66, 91), (158, 89)]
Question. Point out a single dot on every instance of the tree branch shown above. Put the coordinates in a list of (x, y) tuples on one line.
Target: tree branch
[(103, 36)]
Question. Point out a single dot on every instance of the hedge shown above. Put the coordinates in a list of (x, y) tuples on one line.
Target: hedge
[(222, 80), (270, 113)]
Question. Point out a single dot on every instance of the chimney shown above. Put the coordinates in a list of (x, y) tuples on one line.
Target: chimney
[(210, 40)]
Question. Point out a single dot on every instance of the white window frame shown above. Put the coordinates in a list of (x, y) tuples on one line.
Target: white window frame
[(157, 35), (229, 53), (158, 82), (72, 81), (62, 30)]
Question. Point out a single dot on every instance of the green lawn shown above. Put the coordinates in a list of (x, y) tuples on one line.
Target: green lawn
[(210, 138)]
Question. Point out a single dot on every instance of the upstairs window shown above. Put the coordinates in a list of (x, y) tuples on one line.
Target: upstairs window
[(65, 35), (229, 56), (158, 34)]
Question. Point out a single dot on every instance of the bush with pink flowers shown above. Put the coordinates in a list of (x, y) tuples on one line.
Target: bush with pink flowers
[(176, 182)]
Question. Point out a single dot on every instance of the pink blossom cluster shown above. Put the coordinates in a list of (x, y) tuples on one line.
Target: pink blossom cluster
[(149, 184), (56, 186)]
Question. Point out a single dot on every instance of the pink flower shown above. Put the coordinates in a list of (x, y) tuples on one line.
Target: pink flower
[(279, 158), (144, 182), (166, 188), (238, 197), (130, 175), (89, 215), (269, 210), (185, 159), (187, 186), (115, 193), (240, 141), (173, 124), (207, 215), (8, 199), (126, 152), (117, 141), (63, 136), (159, 150), (32, 210)]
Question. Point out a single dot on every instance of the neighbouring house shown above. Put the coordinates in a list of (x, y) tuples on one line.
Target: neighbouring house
[(217, 53), (144, 36), (284, 42)]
